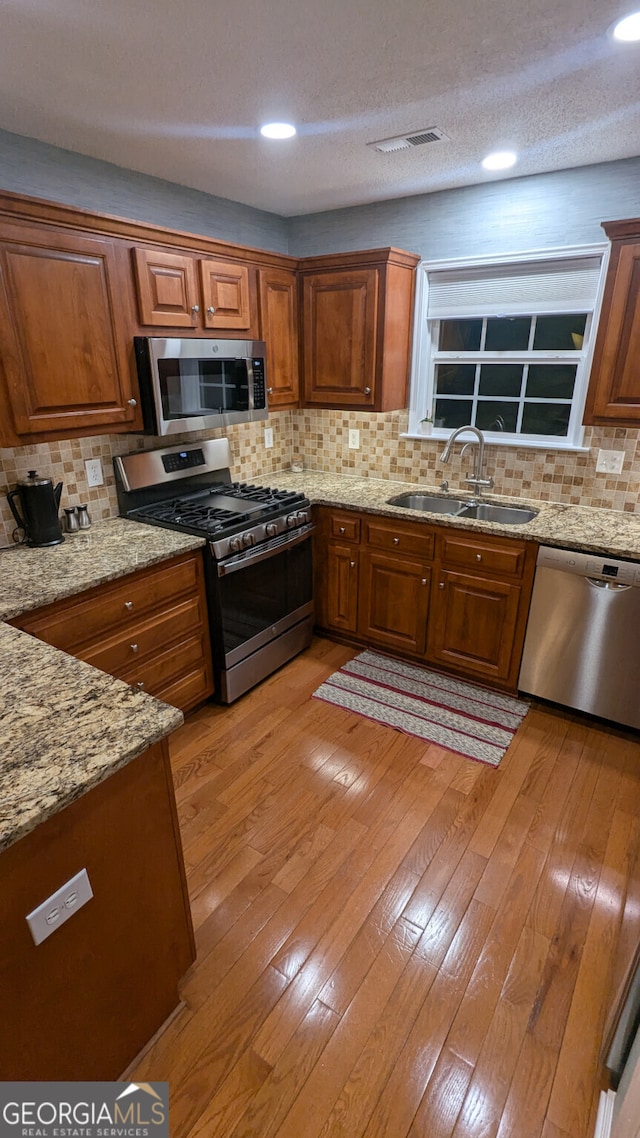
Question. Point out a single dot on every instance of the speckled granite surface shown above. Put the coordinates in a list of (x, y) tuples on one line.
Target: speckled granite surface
[(64, 728), (31, 578), (611, 532)]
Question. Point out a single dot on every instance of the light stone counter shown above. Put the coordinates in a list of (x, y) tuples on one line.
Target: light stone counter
[(64, 728), (612, 533), (31, 578)]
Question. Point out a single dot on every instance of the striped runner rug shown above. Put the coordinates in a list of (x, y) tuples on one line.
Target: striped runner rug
[(472, 721)]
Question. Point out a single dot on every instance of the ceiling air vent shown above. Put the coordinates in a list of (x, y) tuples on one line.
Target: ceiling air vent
[(406, 141)]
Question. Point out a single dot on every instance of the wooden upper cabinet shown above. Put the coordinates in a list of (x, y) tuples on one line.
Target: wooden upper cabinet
[(167, 288), (225, 295), (278, 293), (180, 290), (614, 389), (357, 322), (63, 336)]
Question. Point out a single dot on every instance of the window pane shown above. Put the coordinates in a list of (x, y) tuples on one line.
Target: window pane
[(492, 415), (455, 379), (501, 379), (545, 419), (452, 413), (560, 333), (460, 335), (508, 334), (551, 381)]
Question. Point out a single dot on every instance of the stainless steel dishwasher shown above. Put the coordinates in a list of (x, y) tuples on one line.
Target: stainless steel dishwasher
[(582, 644)]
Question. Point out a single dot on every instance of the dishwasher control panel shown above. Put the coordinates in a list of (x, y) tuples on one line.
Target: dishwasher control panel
[(589, 565)]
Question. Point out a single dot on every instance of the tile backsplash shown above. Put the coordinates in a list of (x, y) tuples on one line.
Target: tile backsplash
[(321, 438)]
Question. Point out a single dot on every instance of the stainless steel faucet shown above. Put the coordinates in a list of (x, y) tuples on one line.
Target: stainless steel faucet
[(476, 479)]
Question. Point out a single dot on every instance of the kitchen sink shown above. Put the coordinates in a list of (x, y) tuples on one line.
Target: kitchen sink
[(429, 502), (508, 515), (457, 507)]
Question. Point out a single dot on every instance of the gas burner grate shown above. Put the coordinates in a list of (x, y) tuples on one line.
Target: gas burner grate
[(193, 513)]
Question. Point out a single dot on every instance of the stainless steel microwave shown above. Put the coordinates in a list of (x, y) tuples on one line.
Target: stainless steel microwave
[(194, 385)]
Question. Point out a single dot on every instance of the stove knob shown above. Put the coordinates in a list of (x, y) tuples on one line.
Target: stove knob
[(292, 521), (271, 529), (235, 543), (248, 539), (302, 517)]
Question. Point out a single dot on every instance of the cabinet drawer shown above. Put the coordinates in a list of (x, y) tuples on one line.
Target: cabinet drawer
[(75, 622), (494, 554), (168, 668), (345, 527), (415, 540), (143, 638), (189, 690)]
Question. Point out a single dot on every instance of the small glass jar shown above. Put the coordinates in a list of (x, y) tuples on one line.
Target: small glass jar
[(297, 464)]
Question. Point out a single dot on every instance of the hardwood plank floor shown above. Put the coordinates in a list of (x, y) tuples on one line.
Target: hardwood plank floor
[(394, 941)]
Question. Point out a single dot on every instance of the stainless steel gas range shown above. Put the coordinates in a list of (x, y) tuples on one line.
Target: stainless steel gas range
[(258, 560)]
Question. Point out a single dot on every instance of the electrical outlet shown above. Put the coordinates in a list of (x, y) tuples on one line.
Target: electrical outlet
[(268, 437), (610, 461), (354, 439), (61, 905), (93, 467)]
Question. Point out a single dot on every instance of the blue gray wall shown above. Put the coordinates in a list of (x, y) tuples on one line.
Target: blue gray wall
[(500, 216), (43, 171)]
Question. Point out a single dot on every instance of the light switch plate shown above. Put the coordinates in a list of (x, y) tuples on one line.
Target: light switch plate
[(354, 439), (61, 905), (610, 461), (268, 437), (93, 467)]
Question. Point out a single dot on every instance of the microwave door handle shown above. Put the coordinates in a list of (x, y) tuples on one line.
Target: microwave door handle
[(225, 568)]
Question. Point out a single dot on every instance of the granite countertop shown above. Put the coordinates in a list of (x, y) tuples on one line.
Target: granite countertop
[(64, 728), (31, 578), (613, 533)]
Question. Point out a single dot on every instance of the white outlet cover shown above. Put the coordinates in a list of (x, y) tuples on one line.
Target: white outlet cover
[(354, 438), (268, 437), (93, 468), (610, 461), (61, 905)]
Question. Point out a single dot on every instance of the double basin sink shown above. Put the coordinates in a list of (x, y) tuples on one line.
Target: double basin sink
[(457, 507)]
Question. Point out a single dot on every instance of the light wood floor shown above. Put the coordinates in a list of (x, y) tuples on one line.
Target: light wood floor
[(393, 940)]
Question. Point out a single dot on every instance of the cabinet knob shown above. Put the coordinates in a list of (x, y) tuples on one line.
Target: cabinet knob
[(342, 529), (128, 605), (396, 541), (478, 557), (367, 391), (352, 564), (269, 391), (140, 684), (423, 581), (210, 310), (134, 647), (195, 308), (132, 402), (441, 585)]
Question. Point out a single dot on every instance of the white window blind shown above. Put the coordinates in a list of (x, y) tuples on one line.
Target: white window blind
[(531, 287)]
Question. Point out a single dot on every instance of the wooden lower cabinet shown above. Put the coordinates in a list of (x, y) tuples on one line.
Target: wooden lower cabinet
[(456, 599), (148, 628), (85, 1001), (474, 624)]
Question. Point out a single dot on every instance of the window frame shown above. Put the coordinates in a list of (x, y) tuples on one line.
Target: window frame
[(426, 353)]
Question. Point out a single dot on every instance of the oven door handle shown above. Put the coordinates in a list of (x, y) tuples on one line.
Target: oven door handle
[(224, 568)]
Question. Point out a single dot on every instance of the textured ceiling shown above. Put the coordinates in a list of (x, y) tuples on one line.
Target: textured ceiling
[(179, 90)]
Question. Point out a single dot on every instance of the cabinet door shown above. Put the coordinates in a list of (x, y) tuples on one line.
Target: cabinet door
[(473, 624), (62, 315), (394, 602), (614, 392), (226, 295), (279, 328), (341, 597), (167, 288), (340, 328)]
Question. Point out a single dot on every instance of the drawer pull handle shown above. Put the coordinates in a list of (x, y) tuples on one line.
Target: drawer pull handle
[(128, 605), (342, 529), (352, 564), (441, 585), (140, 684), (478, 557), (423, 581), (396, 541), (134, 647)]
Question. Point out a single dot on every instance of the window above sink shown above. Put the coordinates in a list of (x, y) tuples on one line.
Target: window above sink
[(506, 345)]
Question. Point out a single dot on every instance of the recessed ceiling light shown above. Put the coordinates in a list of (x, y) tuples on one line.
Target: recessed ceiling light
[(501, 160), (627, 29), (278, 130)]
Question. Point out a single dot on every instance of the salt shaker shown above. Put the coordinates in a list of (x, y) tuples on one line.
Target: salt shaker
[(84, 521), (71, 522)]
